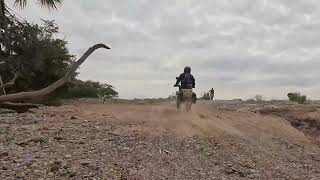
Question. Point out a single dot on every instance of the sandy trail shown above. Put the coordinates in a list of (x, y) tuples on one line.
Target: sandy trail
[(202, 121), (82, 140)]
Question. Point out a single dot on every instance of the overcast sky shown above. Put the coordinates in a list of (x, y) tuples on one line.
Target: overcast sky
[(238, 47)]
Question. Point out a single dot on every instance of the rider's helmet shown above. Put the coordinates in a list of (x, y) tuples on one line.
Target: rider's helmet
[(187, 69)]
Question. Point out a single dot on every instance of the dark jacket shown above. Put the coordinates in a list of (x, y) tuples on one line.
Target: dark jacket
[(187, 81)]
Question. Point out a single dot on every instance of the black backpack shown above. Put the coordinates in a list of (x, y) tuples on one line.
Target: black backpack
[(187, 80)]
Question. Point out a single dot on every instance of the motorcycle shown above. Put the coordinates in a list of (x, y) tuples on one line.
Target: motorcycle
[(187, 101)]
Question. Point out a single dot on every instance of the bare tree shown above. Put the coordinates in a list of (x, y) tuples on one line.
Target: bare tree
[(49, 89), (258, 98)]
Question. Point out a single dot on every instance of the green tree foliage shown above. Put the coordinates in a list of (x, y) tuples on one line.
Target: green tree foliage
[(41, 59), (33, 51), (297, 97), (89, 89), (51, 4), (5, 11)]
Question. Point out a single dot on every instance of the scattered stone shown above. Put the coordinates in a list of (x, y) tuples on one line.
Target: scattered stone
[(63, 172), (73, 117), (66, 166), (252, 171), (6, 111), (37, 171), (229, 170), (58, 138), (55, 166), (251, 176), (68, 156), (84, 162), (21, 175), (38, 140), (23, 143), (72, 173), (3, 154), (81, 142), (45, 128)]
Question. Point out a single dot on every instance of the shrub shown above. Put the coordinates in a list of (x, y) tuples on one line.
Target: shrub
[(258, 98), (297, 97), (89, 89)]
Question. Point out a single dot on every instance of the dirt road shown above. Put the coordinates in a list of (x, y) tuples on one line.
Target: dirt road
[(129, 140)]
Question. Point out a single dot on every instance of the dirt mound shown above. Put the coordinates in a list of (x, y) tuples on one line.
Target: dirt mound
[(143, 141), (305, 119), (203, 121)]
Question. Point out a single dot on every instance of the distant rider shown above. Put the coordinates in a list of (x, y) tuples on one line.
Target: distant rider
[(211, 93)]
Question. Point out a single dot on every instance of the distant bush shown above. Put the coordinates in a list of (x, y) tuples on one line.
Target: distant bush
[(297, 97), (88, 89), (172, 96), (251, 100), (258, 98)]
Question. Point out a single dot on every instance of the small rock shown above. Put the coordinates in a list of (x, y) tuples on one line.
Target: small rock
[(4, 154), (84, 162), (72, 173), (55, 166), (68, 156), (66, 165), (73, 117), (58, 138), (80, 142), (45, 128), (58, 161), (38, 140), (37, 171), (21, 175), (254, 176), (251, 176), (228, 170), (50, 174), (216, 163), (34, 165), (6, 111), (63, 172), (37, 156), (23, 143)]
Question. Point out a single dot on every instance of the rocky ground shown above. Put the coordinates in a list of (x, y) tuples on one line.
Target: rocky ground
[(125, 140)]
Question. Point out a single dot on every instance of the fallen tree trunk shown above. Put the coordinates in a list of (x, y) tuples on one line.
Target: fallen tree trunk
[(19, 107), (49, 89)]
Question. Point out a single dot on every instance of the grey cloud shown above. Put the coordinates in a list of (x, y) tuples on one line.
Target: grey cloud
[(266, 46)]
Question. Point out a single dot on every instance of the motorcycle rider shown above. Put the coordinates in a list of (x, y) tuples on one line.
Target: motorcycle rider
[(187, 83), (211, 93)]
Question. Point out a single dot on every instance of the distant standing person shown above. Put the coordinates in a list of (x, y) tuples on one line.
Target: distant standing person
[(211, 93)]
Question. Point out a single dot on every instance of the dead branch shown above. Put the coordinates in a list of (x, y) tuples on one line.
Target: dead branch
[(19, 107), (12, 82), (49, 89)]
